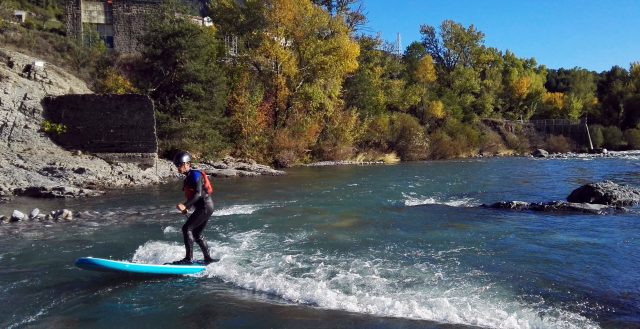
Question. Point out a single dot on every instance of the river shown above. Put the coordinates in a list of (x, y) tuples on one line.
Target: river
[(379, 246)]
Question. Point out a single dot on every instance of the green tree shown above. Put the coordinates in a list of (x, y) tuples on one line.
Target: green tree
[(453, 45), (183, 75), (613, 88)]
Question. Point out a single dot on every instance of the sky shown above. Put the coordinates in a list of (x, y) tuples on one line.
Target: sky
[(591, 34)]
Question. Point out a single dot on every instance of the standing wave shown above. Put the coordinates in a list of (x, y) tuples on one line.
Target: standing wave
[(368, 284)]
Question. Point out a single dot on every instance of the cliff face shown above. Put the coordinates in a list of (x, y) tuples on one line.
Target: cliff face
[(30, 162)]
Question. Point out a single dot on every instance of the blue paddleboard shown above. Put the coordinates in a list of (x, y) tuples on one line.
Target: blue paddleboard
[(107, 265)]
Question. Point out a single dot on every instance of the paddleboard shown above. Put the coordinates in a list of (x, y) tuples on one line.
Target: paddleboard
[(108, 265)]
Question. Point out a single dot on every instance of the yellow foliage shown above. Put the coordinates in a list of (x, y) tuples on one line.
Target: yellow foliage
[(304, 54), (554, 100), (114, 83), (521, 87), (435, 109), (390, 158), (425, 70)]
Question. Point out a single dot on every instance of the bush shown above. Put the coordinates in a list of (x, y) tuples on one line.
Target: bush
[(518, 143), (456, 139), (558, 144), (408, 137), (115, 83), (53, 128), (632, 136), (613, 138), (377, 133), (597, 138), (491, 143), (336, 142), (441, 146)]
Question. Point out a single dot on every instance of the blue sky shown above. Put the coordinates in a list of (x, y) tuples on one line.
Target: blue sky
[(592, 34)]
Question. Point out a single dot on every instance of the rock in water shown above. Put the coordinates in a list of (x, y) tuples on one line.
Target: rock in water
[(606, 192), (557, 206), (514, 205), (540, 153), (66, 214), (17, 216), (34, 213)]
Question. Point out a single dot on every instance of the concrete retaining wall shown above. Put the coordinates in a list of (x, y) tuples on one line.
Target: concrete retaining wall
[(122, 127)]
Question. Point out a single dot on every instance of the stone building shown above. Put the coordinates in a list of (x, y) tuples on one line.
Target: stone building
[(117, 22)]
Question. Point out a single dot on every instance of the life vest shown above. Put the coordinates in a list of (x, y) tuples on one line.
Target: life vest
[(190, 191)]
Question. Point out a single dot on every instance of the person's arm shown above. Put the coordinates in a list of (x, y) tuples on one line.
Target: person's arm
[(198, 195)]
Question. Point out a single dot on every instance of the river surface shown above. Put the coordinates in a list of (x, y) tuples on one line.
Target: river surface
[(381, 246)]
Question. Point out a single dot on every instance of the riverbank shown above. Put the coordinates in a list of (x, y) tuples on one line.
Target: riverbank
[(32, 165)]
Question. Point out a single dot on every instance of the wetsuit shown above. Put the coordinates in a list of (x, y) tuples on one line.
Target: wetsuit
[(192, 229)]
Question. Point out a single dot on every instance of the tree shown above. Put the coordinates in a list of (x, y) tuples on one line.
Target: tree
[(351, 11), (452, 45), (300, 55), (581, 93), (613, 88), (523, 91)]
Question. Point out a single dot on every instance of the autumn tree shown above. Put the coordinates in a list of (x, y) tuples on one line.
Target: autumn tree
[(300, 56)]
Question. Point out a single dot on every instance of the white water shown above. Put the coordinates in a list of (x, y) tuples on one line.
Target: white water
[(411, 201), (274, 264)]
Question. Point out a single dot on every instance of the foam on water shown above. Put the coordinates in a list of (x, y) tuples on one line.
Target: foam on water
[(412, 201), (239, 210), (170, 230), (369, 284)]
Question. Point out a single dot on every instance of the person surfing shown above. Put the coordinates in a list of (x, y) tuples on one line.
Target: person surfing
[(197, 189)]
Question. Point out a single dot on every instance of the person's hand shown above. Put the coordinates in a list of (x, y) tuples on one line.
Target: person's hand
[(182, 208)]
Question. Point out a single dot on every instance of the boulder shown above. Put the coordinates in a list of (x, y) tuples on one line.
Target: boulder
[(55, 215), (34, 213), (17, 216), (540, 153), (66, 214), (607, 193), (3, 218)]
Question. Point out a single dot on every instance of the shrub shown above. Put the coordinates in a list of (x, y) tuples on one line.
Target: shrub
[(491, 143), (337, 138), (597, 138), (632, 136), (377, 133), (53, 128), (558, 144), (408, 137), (441, 146), (613, 138), (518, 143), (115, 83)]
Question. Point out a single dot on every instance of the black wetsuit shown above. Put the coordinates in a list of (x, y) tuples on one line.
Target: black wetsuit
[(192, 229)]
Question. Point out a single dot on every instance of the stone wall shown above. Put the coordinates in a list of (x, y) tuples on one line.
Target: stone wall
[(73, 9), (120, 127), (130, 19)]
